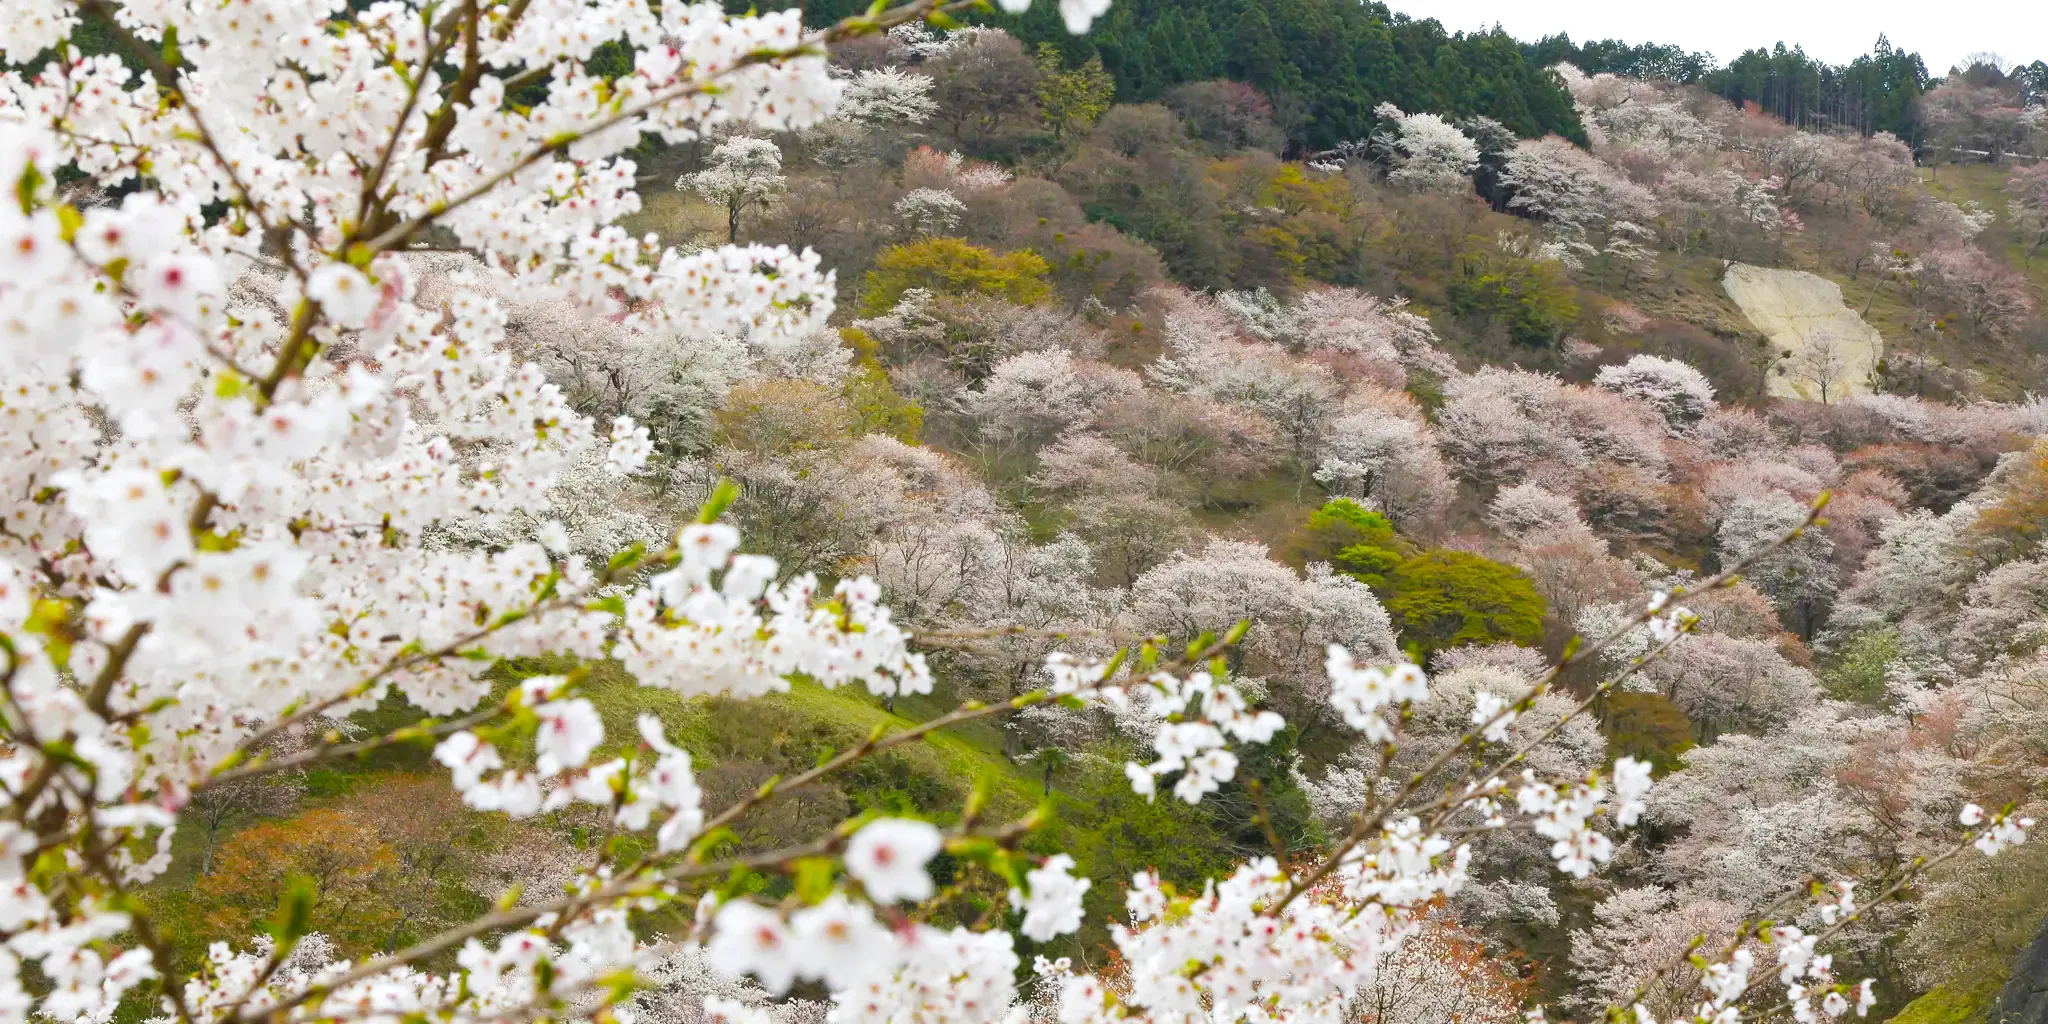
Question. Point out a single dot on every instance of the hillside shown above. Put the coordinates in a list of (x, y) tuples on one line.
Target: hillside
[(1529, 256), (1251, 513), (1095, 353)]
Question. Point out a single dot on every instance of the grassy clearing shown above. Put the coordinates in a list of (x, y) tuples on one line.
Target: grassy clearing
[(971, 751), (1985, 184), (677, 217)]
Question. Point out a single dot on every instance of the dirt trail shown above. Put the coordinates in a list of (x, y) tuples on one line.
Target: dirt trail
[(1803, 314)]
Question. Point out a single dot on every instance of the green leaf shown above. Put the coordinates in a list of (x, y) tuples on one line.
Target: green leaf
[(48, 617), (723, 494), (742, 880), (978, 797), (69, 220), (294, 917), (813, 879), (214, 540), (1009, 866), (28, 186), (973, 849), (1109, 671), (632, 554), (710, 841)]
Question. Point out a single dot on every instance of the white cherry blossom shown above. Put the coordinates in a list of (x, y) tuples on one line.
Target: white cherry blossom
[(888, 858)]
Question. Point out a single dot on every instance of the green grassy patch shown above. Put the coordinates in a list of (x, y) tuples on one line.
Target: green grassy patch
[(1965, 1000), (678, 217)]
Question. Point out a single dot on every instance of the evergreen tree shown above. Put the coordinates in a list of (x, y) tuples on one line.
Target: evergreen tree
[(1071, 100), (1337, 59)]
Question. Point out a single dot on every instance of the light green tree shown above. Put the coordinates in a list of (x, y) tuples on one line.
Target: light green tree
[(1071, 100)]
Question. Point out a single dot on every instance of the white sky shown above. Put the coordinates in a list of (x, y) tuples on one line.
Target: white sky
[(1837, 31)]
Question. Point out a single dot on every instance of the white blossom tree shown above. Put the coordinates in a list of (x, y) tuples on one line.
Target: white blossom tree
[(1298, 397), (1799, 577), (1679, 393), (743, 173), (1429, 153), (881, 97), (1382, 452), (1594, 209), (930, 211)]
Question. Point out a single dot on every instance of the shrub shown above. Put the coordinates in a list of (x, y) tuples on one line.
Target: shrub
[(879, 408), (1857, 673), (337, 853), (1354, 539), (780, 416), (1647, 727), (951, 266), (1530, 298)]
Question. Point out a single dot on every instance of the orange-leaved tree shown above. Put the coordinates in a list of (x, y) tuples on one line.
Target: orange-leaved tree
[(339, 853)]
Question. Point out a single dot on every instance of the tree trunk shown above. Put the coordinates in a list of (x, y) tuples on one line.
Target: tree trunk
[(391, 941), (213, 823)]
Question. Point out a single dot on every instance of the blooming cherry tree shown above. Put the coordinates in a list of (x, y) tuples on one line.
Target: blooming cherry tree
[(744, 173), (1430, 153), (1679, 393)]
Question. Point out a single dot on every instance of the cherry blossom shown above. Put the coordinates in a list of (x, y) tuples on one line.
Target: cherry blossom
[(888, 857), (1052, 906)]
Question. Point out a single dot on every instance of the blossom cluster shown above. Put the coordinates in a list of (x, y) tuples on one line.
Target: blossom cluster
[(683, 633), (235, 436), (1197, 717), (2000, 830), (877, 973), (1269, 944)]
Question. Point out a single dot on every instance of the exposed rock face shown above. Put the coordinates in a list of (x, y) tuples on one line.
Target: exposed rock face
[(2025, 997), (1833, 353)]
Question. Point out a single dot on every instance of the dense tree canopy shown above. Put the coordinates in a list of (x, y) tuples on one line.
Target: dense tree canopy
[(1873, 93), (1330, 61), (1327, 63), (1443, 599)]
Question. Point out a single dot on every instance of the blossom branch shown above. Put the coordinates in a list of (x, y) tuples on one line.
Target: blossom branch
[(1370, 819)]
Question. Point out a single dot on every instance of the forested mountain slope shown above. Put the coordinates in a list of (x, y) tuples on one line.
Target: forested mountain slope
[(1521, 355), (1437, 352), (1327, 63)]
